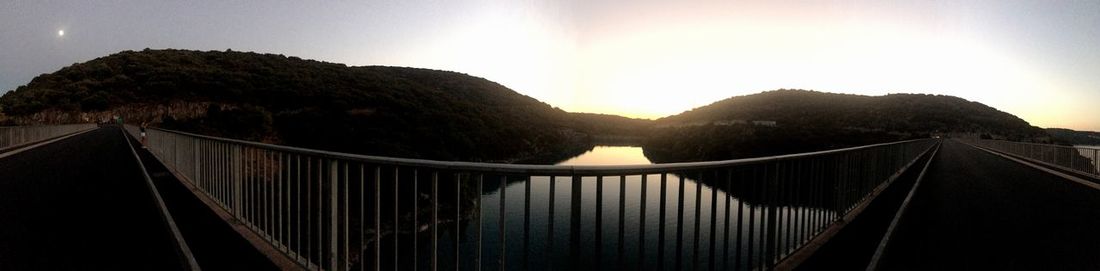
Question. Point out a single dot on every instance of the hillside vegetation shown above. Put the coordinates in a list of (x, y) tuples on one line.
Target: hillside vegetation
[(789, 121), (392, 111), (1071, 137), (442, 115)]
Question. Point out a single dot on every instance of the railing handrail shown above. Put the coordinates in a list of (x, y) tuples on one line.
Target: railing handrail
[(287, 195), (548, 170), (1073, 158), (44, 125), (20, 135), (1050, 145)]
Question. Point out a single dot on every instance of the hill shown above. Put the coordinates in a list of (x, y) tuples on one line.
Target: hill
[(788, 121), (376, 110), (1071, 137)]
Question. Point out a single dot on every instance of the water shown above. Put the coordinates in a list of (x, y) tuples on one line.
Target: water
[(609, 155), (555, 241), (1092, 153)]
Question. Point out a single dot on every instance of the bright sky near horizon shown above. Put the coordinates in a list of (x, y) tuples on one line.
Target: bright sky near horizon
[(1039, 60)]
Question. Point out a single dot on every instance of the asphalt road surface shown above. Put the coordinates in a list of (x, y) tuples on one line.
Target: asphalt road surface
[(215, 245), (978, 211), (80, 204)]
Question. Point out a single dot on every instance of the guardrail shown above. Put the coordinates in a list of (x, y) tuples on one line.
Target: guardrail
[(11, 136), (1083, 160), (335, 211)]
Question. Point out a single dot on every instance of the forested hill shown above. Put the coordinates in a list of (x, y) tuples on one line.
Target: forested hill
[(1071, 137), (393, 111), (906, 113), (790, 121)]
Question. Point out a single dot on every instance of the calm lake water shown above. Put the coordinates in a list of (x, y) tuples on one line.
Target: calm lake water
[(548, 230), (1091, 152)]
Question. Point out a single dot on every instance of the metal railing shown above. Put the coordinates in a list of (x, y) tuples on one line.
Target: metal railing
[(11, 136), (336, 211), (1083, 160)]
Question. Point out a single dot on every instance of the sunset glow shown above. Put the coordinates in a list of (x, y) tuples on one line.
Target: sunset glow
[(649, 59)]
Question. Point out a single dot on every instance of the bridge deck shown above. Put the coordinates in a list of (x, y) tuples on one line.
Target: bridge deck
[(80, 203), (979, 211)]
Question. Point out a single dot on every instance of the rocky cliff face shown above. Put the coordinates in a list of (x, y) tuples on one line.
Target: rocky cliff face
[(131, 113)]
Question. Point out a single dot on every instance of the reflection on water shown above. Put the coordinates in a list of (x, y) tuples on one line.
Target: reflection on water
[(1091, 153), (617, 220), (609, 155)]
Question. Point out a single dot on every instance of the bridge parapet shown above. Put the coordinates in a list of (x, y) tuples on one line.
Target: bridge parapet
[(11, 136), (336, 211), (1080, 159)]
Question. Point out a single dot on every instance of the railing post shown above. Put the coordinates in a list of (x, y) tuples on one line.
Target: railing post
[(770, 241), (195, 161), (575, 223), (236, 176), (334, 238)]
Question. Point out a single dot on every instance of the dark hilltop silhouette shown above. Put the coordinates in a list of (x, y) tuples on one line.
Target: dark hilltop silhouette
[(789, 121), (442, 115), (377, 110)]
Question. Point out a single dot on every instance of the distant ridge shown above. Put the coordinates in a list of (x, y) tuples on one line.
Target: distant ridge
[(442, 115), (377, 110), (788, 121), (1071, 137), (913, 113)]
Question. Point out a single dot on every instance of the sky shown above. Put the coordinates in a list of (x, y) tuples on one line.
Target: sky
[(1038, 60)]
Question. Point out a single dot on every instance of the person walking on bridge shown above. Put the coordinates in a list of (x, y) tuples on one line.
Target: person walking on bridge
[(143, 125)]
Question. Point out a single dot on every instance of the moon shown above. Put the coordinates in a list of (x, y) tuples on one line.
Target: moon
[(61, 33)]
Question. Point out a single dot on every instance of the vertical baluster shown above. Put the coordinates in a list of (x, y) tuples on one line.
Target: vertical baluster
[(269, 224), (248, 178), (599, 222), (345, 237), (550, 226), (698, 217), (713, 220), (378, 216), (726, 222), (661, 224), (754, 186), (309, 210), (526, 222), (818, 178), (680, 225), (503, 230), (641, 224), (416, 219), (435, 220), (804, 187), (320, 213), (362, 220), (284, 161), (480, 209), (622, 219), (298, 209), (772, 217), (740, 220), (396, 221), (789, 201), (334, 261), (575, 222), (458, 220)]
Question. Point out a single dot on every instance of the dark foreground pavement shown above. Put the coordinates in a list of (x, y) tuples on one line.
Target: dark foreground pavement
[(855, 244), (215, 245), (80, 204), (978, 211), (83, 204)]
